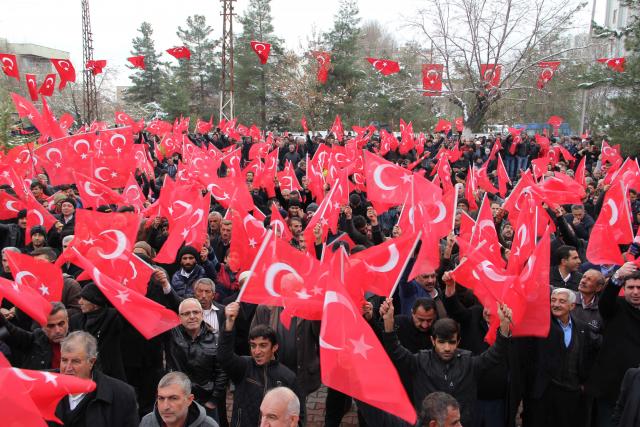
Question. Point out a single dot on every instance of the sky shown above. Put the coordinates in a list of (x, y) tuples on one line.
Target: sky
[(57, 24)]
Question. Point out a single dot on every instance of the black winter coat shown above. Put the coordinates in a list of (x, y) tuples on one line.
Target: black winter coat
[(252, 382), (113, 403), (35, 345), (458, 377), (199, 360)]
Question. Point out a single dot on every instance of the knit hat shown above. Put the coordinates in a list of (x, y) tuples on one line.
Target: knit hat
[(38, 229), (22, 213), (312, 207), (187, 250), (93, 294)]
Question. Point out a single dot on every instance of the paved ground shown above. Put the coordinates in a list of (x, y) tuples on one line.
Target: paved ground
[(315, 410)]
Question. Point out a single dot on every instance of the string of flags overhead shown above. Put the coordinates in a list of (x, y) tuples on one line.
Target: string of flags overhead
[(432, 74)]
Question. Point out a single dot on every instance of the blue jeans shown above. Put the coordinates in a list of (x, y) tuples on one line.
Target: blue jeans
[(510, 164), (521, 162)]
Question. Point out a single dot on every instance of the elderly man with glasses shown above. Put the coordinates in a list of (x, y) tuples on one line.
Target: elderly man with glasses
[(192, 348)]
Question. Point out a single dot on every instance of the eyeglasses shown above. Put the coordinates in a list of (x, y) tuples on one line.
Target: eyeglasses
[(191, 313)]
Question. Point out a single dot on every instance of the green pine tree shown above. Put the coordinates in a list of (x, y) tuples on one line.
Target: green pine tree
[(255, 99), (201, 72), (147, 83), (344, 81)]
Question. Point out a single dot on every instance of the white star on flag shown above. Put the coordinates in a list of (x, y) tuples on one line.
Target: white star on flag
[(50, 378), (316, 290), (303, 294), (123, 296), (360, 346), (44, 290), (89, 241), (252, 242), (406, 178)]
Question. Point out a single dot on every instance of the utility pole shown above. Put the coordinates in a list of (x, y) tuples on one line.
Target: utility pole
[(226, 80), (89, 92)]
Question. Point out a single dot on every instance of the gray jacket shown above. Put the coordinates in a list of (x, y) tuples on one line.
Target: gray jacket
[(197, 417)]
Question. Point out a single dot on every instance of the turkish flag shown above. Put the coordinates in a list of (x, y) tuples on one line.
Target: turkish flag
[(287, 179), (42, 276), (123, 118), (386, 181), (326, 215), (48, 85), (181, 52), (388, 142), (9, 206), (432, 79), (109, 235), (628, 174), (555, 122), (601, 248), (490, 75), (561, 189), (65, 69), (459, 122), (337, 128), (261, 49), (148, 317), (610, 154), (548, 71), (303, 121), (137, 61), (528, 298), (29, 396), (245, 240), (350, 354), (10, 65), (36, 215), (384, 263), (96, 67), (21, 160), (483, 179), (95, 194), (616, 214), (408, 141), (279, 225), (385, 66), (26, 299), (132, 194), (524, 239), (32, 85), (484, 230), (503, 177), (324, 63), (539, 166), (285, 277), (442, 126), (616, 64), (203, 127)]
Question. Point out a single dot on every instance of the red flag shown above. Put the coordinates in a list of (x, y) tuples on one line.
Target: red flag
[(148, 317), (432, 79), (42, 276), (204, 127), (601, 248), (9, 206), (189, 228), (616, 214), (26, 299), (443, 126), (524, 239), (611, 154), (616, 64), (548, 70), (132, 194), (32, 85), (386, 181), (483, 179), (95, 194), (324, 63), (555, 122), (29, 396), (490, 75), (470, 188), (96, 67), (497, 146), (326, 215), (65, 69), (261, 49), (350, 353), (288, 180), (48, 86), (503, 177), (10, 65), (109, 235), (385, 66), (530, 294), (561, 189), (37, 215), (303, 121), (337, 129), (459, 122), (279, 225), (384, 263), (181, 52), (137, 61)]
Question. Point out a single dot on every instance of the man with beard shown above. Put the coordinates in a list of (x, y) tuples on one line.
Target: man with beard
[(423, 286), (193, 266)]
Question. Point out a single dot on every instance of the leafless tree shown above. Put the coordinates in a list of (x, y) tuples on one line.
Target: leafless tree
[(508, 33)]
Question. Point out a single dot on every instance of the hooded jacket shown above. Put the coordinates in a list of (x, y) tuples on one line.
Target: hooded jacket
[(196, 417)]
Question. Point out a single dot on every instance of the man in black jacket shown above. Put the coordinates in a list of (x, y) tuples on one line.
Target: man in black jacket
[(446, 367), (620, 346), (41, 346), (252, 376), (192, 348), (112, 403), (559, 365)]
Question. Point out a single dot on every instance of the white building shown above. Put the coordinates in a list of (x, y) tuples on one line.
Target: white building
[(617, 17)]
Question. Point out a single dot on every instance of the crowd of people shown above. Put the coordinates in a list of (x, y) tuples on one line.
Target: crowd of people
[(583, 373)]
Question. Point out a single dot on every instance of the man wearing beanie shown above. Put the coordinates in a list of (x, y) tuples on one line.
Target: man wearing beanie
[(38, 238), (193, 266), (105, 324)]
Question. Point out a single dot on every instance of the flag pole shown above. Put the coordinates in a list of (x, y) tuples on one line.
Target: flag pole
[(261, 250), (455, 205), (406, 262)]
